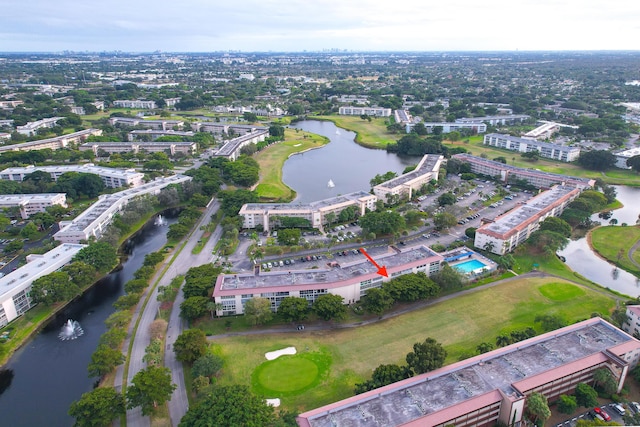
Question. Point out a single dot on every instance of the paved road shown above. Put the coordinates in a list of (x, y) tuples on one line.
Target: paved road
[(178, 404)]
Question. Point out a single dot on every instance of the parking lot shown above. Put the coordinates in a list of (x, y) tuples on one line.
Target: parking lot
[(608, 410)]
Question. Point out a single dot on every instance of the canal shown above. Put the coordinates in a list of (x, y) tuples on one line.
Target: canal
[(46, 375), (348, 165)]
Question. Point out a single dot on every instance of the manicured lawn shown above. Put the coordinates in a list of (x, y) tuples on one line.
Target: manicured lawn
[(272, 158), (290, 375), (459, 324), (614, 242), (371, 134)]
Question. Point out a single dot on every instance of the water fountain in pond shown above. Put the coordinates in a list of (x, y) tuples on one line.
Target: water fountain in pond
[(70, 330), (160, 221)]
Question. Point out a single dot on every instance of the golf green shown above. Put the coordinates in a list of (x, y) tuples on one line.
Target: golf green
[(287, 374)]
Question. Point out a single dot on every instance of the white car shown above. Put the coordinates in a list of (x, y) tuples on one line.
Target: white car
[(619, 409)]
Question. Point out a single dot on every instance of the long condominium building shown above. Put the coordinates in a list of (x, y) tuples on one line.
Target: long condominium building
[(507, 173), (97, 217), (15, 286), (154, 134), (450, 126), (31, 128), (224, 128), (410, 182), (112, 178), (350, 280), (134, 103), (491, 387), (508, 119), (231, 149), (527, 145), (56, 143), (28, 204), (623, 156), (150, 124), (264, 214), (514, 227), (348, 110), (171, 148)]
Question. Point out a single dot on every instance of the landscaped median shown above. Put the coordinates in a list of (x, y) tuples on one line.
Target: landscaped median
[(272, 158), (351, 354)]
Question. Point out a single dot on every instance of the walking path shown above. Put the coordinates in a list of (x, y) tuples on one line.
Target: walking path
[(630, 253)]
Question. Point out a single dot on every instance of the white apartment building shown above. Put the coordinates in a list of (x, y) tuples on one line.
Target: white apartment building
[(15, 286), (450, 127), (623, 156), (150, 124), (112, 178), (56, 143), (154, 134), (31, 128), (632, 324), (408, 183), (97, 217), (349, 279), (28, 204), (231, 148), (508, 119), (514, 227), (188, 148), (134, 103), (527, 145), (261, 214), (222, 128), (347, 110)]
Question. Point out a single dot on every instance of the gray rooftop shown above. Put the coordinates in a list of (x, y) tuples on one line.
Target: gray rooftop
[(497, 370), (426, 166), (232, 145), (533, 142), (319, 204)]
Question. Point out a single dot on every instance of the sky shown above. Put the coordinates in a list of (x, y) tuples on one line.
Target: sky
[(313, 25)]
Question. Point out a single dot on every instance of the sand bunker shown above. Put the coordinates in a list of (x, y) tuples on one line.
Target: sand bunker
[(275, 354), (273, 402)]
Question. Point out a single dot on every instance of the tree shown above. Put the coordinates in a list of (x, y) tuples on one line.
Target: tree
[(54, 287), (426, 356), (444, 220), (118, 319), (330, 306), (213, 306), (484, 347), (101, 255), (190, 345), (550, 322), (533, 156), (446, 199), (194, 307), (289, 236), (207, 365), (632, 162), (258, 310), (81, 273), (98, 407), (538, 407), (557, 225), (586, 395), (157, 329), (293, 309), (602, 377), (229, 406), (377, 301), (448, 278), (384, 375), (113, 337), (547, 241), (150, 387), (104, 360), (567, 404), (382, 222), (598, 160), (411, 287), (29, 231)]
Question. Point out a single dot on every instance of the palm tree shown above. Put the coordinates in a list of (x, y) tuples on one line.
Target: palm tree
[(213, 307)]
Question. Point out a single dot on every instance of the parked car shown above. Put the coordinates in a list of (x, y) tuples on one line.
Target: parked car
[(635, 406), (602, 413), (619, 409)]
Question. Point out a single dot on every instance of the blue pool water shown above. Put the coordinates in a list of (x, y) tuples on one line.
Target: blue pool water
[(469, 266)]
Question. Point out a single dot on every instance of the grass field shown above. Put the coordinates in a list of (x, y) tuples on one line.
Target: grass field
[(371, 134), (614, 242), (271, 160), (459, 324), (290, 375)]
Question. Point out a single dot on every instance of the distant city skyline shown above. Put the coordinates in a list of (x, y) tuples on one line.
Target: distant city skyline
[(296, 25)]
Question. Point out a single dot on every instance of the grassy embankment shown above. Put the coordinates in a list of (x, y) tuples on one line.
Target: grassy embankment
[(370, 134), (459, 324), (613, 177), (272, 158), (614, 243)]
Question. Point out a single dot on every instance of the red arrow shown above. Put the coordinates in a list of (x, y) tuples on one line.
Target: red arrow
[(381, 270)]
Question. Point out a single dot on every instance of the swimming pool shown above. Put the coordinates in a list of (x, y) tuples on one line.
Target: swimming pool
[(470, 266)]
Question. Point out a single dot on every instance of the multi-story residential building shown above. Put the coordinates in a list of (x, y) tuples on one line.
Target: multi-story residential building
[(15, 286), (623, 156), (31, 128), (150, 124), (10, 105), (135, 103), (5, 136), (527, 145), (222, 128), (507, 173), (402, 116), (450, 127), (171, 102), (56, 143), (632, 324), (262, 214), (97, 217), (153, 134), (544, 131), (350, 280), (490, 387), (509, 119), (231, 148), (6, 123), (171, 148), (514, 227), (112, 178), (410, 182), (347, 110), (28, 204)]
